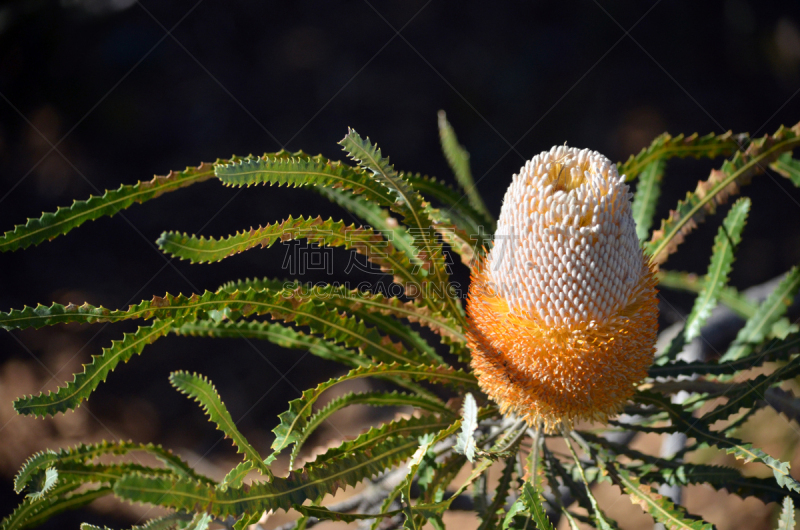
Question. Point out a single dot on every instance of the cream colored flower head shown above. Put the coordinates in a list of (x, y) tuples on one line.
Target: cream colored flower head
[(563, 312)]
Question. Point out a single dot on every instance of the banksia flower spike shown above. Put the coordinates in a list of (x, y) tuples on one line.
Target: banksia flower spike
[(562, 311)]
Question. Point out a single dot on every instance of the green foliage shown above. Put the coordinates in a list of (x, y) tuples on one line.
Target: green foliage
[(52, 225), (786, 520), (201, 390), (418, 342), (458, 158), (648, 190), (721, 184), (728, 238)]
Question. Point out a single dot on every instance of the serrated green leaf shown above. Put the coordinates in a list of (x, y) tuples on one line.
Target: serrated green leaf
[(415, 213), (288, 338), (495, 510), (376, 218), (70, 396), (667, 146), (784, 402), (788, 167), (279, 304), (460, 212), (693, 427), (458, 158), (728, 296), (662, 510), (720, 185), (200, 521), (718, 477), (770, 311), (362, 303), (375, 399), (52, 225), (202, 390), (722, 254), (311, 482), (443, 475), (244, 522), (300, 169), (776, 350), (168, 522), (235, 477), (44, 483), (599, 517), (532, 500), (648, 189), (84, 454), (295, 420), (327, 233), (465, 442), (320, 512), (786, 520), (747, 393), (32, 512)]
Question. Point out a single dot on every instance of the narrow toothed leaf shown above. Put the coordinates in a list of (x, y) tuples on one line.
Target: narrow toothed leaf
[(235, 477), (376, 218), (662, 510), (84, 454), (202, 390), (295, 420), (200, 521), (601, 519), (244, 522), (648, 189), (788, 167), (786, 520), (348, 331), (104, 474), (375, 399), (784, 402), (458, 158), (32, 512), (300, 169), (770, 311), (414, 211), (322, 513), (362, 303), (722, 254), (494, 512), (718, 477), (465, 442), (728, 296), (684, 422), (376, 436), (43, 483), (168, 522), (748, 393), (717, 189), (73, 393), (462, 213), (533, 502), (52, 225), (776, 350), (666, 146), (311, 482), (288, 338)]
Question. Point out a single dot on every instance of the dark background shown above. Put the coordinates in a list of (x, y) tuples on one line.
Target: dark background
[(125, 90)]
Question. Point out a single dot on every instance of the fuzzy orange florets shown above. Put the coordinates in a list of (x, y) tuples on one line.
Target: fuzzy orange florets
[(563, 313)]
